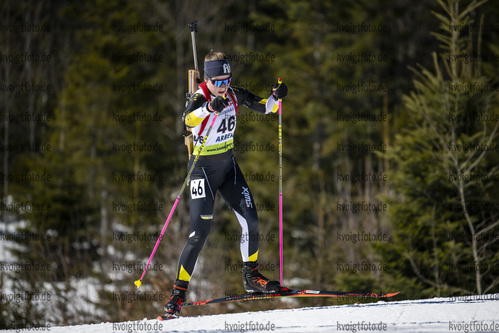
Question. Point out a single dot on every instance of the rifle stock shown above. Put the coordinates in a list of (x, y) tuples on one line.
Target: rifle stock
[(193, 77)]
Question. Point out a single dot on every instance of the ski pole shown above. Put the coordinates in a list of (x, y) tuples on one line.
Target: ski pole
[(138, 283), (281, 254)]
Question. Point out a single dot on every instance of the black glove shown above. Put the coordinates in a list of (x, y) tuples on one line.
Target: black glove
[(279, 91), (218, 104)]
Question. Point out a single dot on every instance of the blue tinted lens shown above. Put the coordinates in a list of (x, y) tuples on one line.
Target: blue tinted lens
[(219, 83)]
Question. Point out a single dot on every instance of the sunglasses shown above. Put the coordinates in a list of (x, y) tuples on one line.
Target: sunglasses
[(219, 83)]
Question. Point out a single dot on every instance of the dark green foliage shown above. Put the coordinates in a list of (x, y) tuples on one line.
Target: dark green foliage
[(445, 173)]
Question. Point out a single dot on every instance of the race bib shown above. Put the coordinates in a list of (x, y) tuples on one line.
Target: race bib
[(197, 189)]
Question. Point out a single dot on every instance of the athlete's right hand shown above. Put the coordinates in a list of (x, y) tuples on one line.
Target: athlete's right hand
[(218, 104)]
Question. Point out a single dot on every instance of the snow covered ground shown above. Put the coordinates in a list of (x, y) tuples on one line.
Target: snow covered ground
[(460, 314), (464, 314)]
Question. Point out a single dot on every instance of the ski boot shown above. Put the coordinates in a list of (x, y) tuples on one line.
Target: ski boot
[(174, 304), (256, 282)]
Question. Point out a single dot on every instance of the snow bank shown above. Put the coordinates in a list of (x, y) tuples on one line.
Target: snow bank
[(463, 314)]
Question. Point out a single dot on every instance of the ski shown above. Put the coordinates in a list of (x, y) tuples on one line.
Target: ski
[(285, 292), (167, 317)]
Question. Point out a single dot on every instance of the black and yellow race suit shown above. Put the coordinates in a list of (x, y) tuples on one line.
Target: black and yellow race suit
[(217, 171)]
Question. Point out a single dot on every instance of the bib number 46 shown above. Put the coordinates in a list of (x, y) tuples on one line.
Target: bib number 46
[(227, 125), (197, 189)]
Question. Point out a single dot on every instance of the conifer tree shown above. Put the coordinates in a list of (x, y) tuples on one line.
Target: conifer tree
[(444, 213)]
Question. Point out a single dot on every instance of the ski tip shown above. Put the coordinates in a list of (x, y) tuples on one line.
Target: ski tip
[(391, 294), (138, 283), (160, 318)]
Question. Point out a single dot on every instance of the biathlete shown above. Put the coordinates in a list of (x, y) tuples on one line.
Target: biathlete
[(216, 170)]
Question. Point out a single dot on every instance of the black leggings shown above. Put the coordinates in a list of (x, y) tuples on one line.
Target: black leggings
[(211, 174)]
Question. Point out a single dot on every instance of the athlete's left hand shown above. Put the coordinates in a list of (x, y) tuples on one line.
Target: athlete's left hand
[(279, 91)]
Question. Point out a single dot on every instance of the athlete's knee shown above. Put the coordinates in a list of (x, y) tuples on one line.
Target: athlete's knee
[(252, 219), (197, 239)]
